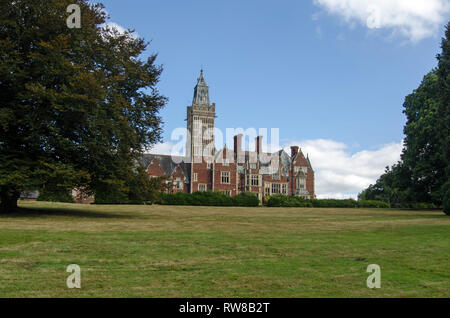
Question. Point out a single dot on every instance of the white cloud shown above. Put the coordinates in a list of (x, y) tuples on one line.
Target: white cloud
[(119, 28), (165, 148), (341, 174), (413, 19)]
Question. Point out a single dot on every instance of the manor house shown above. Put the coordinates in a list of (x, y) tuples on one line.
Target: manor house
[(231, 171)]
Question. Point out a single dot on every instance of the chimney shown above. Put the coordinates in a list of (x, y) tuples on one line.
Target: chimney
[(294, 151), (259, 144), (238, 148)]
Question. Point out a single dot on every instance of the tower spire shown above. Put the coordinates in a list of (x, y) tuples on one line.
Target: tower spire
[(201, 91)]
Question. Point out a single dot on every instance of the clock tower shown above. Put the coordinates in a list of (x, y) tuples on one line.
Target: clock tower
[(200, 124)]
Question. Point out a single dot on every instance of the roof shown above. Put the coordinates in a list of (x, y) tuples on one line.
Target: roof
[(168, 163)]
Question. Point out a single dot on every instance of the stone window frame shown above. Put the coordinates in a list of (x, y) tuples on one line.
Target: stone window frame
[(225, 175), (254, 180), (300, 183)]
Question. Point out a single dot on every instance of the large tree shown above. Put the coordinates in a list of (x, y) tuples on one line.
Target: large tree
[(424, 169), (78, 105), (444, 96)]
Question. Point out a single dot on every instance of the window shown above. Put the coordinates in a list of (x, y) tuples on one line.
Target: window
[(296, 169), (252, 180), (253, 166), (284, 188), (177, 184), (300, 183), (267, 189), (225, 177), (305, 169), (208, 165), (255, 180), (195, 177), (227, 192), (202, 187), (276, 188)]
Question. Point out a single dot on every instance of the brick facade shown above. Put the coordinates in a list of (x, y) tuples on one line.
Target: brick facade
[(232, 171)]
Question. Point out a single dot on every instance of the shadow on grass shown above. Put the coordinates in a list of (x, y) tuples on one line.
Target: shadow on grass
[(68, 212)]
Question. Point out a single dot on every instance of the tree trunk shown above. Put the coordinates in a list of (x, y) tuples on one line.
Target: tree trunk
[(8, 199)]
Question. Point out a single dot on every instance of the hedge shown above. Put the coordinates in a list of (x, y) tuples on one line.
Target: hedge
[(209, 198), (372, 204), (290, 201)]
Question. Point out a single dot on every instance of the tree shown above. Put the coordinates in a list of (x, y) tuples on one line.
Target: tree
[(423, 151), (77, 103), (424, 169), (444, 100)]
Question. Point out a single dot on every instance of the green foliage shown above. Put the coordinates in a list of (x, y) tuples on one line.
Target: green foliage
[(246, 199), (417, 180), (280, 200), (419, 176), (79, 101), (292, 201), (333, 203), (55, 195), (444, 98), (209, 198), (138, 188), (372, 204), (446, 202)]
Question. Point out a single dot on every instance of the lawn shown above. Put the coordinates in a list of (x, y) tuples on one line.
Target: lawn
[(170, 251)]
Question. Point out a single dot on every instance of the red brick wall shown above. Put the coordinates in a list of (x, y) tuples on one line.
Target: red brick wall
[(178, 174), (233, 185), (301, 161), (155, 169), (203, 175)]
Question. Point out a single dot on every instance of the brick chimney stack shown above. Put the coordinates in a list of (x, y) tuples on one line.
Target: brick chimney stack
[(294, 151), (238, 148), (259, 144)]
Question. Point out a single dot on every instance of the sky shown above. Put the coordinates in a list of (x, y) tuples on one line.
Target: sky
[(331, 75)]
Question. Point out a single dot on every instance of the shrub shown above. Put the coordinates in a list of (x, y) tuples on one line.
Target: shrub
[(209, 198), (280, 200), (422, 206), (290, 201), (334, 203), (246, 199), (372, 204)]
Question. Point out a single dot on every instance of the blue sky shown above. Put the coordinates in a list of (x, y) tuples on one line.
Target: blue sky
[(314, 69)]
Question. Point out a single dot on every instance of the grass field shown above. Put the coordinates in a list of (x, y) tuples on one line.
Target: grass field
[(169, 251)]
